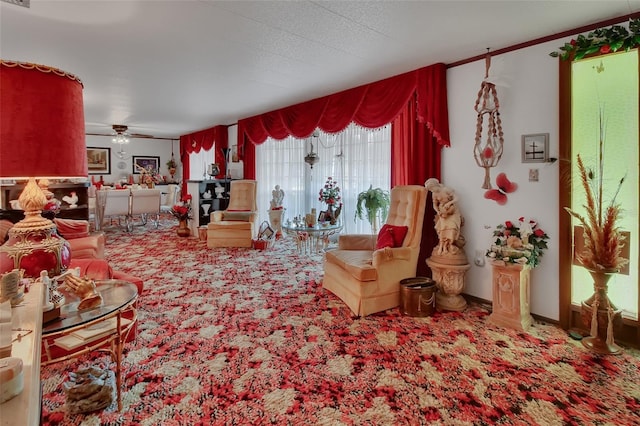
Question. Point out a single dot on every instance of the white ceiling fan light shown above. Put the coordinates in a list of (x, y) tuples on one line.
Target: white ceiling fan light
[(120, 135)]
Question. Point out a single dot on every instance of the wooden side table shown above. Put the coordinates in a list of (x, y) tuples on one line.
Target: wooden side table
[(511, 296)]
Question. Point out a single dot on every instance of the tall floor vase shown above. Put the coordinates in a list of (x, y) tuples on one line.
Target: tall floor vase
[(183, 229), (601, 316)]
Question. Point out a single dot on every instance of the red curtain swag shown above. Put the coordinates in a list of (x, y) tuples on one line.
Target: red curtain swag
[(217, 137), (373, 105)]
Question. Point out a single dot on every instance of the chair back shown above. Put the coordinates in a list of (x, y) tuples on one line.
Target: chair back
[(407, 209), (172, 191), (242, 195), (116, 202), (145, 201)]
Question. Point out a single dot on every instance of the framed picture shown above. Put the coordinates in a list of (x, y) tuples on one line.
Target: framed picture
[(323, 217), (147, 163), (99, 160), (535, 148)]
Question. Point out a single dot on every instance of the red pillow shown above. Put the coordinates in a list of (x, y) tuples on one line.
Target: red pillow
[(391, 236)]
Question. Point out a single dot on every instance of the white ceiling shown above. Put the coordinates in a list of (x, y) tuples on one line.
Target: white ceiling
[(168, 68)]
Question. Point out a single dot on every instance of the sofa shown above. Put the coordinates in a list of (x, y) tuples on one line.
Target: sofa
[(365, 270)]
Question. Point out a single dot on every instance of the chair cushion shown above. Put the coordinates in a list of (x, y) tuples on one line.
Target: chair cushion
[(355, 262), (391, 236), (72, 228), (237, 216), (230, 224)]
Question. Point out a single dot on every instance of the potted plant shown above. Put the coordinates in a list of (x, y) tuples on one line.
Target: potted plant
[(376, 202)]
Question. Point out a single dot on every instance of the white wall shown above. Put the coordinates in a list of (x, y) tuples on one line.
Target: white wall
[(527, 87), (122, 168)]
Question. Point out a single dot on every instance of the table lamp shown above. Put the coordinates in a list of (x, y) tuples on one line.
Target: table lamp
[(41, 136)]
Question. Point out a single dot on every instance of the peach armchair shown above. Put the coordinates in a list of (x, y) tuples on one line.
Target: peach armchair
[(237, 225), (365, 270)]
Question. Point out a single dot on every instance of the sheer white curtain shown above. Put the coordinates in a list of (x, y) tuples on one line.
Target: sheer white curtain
[(356, 158), (198, 164)]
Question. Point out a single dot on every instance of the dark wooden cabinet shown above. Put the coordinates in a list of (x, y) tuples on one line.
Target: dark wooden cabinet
[(208, 200), (60, 190)]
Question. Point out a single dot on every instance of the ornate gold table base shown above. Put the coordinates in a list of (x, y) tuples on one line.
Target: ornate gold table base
[(119, 304)]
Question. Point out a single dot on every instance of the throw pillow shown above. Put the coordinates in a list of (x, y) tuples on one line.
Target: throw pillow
[(391, 236)]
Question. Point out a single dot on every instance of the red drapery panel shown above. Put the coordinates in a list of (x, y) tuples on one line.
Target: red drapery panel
[(372, 105), (205, 139), (415, 157)]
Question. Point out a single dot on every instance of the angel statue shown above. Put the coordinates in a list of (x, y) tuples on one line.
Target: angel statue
[(278, 196), (448, 219)]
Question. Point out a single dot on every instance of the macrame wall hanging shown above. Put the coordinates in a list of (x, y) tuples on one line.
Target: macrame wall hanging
[(489, 152)]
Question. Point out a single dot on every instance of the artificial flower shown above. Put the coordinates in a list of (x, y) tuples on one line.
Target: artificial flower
[(523, 243)]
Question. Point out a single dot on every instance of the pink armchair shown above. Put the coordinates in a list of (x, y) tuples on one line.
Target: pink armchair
[(83, 244), (365, 270)]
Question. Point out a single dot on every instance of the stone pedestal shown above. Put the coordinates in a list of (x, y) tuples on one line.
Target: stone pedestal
[(511, 296), (275, 219), (449, 277)]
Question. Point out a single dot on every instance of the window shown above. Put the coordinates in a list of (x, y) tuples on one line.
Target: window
[(604, 86), (198, 164), (356, 158)]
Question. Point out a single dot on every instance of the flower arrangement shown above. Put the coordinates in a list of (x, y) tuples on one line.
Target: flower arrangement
[(522, 243), (182, 211), (603, 40), (330, 193)]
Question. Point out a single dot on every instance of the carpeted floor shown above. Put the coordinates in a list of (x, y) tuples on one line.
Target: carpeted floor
[(246, 337)]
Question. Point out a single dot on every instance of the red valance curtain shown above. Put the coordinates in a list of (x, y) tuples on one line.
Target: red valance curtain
[(205, 139), (373, 105)]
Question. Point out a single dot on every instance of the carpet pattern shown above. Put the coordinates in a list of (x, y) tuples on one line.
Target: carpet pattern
[(240, 336)]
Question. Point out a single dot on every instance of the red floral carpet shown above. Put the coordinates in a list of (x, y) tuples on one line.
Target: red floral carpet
[(245, 337)]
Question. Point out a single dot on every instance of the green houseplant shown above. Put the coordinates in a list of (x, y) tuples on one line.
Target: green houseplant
[(376, 202)]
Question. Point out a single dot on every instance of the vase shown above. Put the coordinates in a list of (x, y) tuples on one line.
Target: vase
[(606, 317), (183, 229)]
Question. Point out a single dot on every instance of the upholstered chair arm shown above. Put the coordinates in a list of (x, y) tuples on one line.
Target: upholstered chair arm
[(388, 254), (357, 242)]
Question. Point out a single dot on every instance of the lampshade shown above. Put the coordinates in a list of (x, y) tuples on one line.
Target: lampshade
[(41, 135), (41, 122)]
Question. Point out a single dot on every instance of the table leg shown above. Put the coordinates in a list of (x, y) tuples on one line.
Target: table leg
[(118, 355)]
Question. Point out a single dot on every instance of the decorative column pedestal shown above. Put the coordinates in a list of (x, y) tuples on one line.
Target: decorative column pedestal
[(449, 278), (511, 296), (275, 219)]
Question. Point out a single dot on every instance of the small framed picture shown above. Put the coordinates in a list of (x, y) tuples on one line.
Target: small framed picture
[(323, 217), (150, 164), (99, 160), (535, 148)]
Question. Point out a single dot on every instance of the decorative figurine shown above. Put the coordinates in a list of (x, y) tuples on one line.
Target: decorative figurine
[(278, 196), (71, 199), (47, 304), (85, 289)]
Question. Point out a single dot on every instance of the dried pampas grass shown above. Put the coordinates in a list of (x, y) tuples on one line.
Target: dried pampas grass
[(603, 242)]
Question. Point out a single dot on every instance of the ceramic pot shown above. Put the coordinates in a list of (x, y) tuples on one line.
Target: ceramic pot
[(608, 316), (183, 229)]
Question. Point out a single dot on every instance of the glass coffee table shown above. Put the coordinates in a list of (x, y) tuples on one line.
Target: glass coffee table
[(312, 239), (103, 328)]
